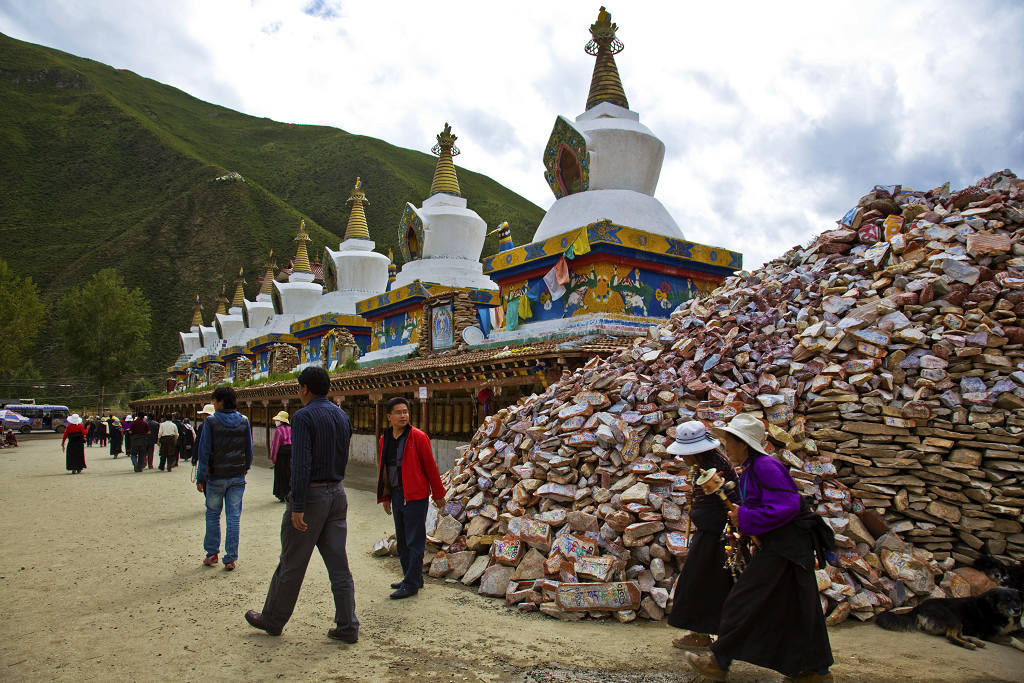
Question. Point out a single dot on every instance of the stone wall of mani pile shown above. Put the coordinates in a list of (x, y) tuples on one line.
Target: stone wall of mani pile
[(887, 359)]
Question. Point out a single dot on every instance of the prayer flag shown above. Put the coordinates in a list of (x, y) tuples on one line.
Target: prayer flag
[(484, 316), (581, 245), (525, 311), (553, 285), (512, 314)]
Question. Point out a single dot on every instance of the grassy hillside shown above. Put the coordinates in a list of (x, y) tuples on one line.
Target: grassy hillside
[(103, 167)]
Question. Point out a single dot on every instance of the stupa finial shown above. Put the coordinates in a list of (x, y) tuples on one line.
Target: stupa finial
[(357, 228), (445, 179), (239, 299), (268, 279), (392, 270), (222, 301), (301, 257), (605, 84), (197, 313)]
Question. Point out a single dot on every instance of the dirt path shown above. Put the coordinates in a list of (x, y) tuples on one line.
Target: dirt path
[(101, 579)]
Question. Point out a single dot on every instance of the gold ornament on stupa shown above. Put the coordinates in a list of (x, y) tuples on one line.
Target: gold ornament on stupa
[(301, 264), (197, 313), (605, 84), (239, 299), (222, 302), (392, 269), (445, 179), (357, 228), (268, 279)]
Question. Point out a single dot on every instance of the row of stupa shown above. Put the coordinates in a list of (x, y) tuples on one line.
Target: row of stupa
[(607, 258)]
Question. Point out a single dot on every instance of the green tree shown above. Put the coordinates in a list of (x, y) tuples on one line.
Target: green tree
[(104, 328), (21, 314)]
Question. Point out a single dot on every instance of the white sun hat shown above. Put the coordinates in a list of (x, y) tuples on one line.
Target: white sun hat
[(692, 438), (75, 419), (749, 429)]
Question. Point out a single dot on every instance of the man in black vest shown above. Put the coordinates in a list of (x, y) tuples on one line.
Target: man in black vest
[(316, 513), (225, 455)]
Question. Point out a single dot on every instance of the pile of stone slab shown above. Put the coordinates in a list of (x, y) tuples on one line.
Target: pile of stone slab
[(886, 360)]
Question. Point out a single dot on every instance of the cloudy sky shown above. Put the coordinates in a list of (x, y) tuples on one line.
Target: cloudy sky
[(776, 116)]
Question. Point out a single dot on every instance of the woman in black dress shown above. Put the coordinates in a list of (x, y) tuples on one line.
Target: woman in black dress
[(73, 444), (705, 579), (116, 436), (281, 455)]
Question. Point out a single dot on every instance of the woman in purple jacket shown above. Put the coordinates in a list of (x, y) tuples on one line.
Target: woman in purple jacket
[(772, 617)]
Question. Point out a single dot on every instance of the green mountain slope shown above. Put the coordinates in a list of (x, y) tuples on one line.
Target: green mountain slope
[(102, 167)]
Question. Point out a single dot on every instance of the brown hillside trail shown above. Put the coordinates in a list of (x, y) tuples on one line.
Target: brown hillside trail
[(101, 579)]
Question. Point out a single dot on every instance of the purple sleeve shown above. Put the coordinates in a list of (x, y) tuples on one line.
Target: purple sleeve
[(765, 509)]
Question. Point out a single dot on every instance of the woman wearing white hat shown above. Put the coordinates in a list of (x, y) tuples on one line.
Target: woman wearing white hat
[(281, 455), (74, 437), (772, 617), (201, 416), (704, 581)]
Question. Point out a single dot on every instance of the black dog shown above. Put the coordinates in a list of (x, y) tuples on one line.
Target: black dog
[(1008, 576), (966, 622)]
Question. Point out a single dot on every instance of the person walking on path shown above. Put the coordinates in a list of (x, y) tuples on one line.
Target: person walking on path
[(225, 455), (168, 435), (90, 431), (186, 441), (772, 617), (116, 436), (281, 455), (206, 412), (101, 431), (138, 440), (152, 437), (317, 512), (705, 580), (74, 438), (406, 476)]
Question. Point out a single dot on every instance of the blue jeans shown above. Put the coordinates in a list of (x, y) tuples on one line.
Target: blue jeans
[(226, 493)]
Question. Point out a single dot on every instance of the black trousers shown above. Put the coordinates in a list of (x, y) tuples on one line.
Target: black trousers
[(283, 472), (326, 518), (704, 581), (411, 535), (168, 452)]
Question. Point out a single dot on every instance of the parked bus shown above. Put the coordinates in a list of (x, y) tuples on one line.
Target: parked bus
[(43, 417)]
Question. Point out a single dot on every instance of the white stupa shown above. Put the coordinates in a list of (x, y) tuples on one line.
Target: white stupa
[(256, 315), (190, 341), (230, 322), (606, 164), (355, 271), (300, 297), (442, 239)]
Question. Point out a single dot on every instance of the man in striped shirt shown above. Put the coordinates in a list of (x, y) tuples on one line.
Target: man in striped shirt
[(316, 512)]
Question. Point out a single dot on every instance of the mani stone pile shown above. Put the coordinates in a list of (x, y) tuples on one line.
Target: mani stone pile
[(890, 373)]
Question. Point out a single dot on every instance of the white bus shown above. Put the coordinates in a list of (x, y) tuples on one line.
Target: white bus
[(43, 417)]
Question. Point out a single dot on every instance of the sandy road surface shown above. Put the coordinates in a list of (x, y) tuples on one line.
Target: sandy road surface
[(100, 579)]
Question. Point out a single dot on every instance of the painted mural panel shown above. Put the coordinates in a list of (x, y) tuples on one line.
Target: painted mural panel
[(396, 330), (612, 288), (442, 330)]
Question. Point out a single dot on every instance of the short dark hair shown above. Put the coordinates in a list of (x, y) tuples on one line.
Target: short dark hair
[(315, 378), (395, 401), (226, 395)]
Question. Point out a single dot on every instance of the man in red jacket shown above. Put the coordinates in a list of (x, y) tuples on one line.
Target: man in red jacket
[(406, 477)]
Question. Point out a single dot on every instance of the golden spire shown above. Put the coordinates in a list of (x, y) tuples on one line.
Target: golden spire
[(239, 300), (605, 84), (357, 219), (301, 257), (222, 302), (197, 313), (392, 269), (268, 280), (445, 179)]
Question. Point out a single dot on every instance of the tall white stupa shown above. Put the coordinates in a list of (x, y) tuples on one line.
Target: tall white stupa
[(300, 296), (604, 165), (190, 341), (230, 322), (442, 239), (355, 271)]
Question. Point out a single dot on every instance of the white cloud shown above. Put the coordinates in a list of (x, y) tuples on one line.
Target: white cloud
[(777, 117)]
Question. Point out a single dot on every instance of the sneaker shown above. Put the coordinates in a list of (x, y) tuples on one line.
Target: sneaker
[(707, 666), (692, 641), (229, 566), (210, 561)]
